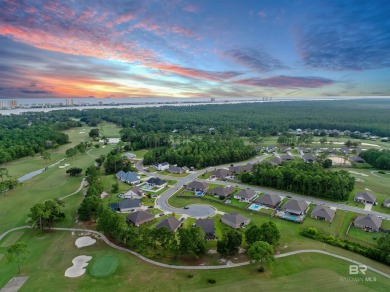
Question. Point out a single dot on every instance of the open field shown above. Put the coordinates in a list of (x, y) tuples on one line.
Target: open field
[(53, 254), (109, 130)]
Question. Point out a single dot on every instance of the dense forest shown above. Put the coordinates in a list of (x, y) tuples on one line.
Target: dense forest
[(377, 158), (250, 119), (306, 178), (202, 153)]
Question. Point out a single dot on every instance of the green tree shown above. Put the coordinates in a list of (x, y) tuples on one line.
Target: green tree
[(71, 152), (230, 242), (74, 171), (89, 208), (115, 187), (261, 252), (94, 133), (384, 243), (253, 234), (16, 251), (270, 233), (3, 173), (46, 155), (327, 163), (192, 241)]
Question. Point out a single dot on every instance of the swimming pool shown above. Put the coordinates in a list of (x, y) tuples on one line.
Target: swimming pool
[(254, 207), (291, 217), (199, 194), (147, 187)]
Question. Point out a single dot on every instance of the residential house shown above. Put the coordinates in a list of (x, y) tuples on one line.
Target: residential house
[(368, 222), (275, 161), (358, 151), (126, 205), (330, 150), (177, 170), (308, 158), (133, 193), (285, 149), (129, 155), (365, 198), (386, 203), (129, 177), (241, 168), (303, 150), (345, 150), (207, 225), (161, 166), (235, 220), (295, 207), (246, 195), (270, 149), (170, 223), (139, 217), (287, 157), (323, 213), (222, 192), (271, 201), (197, 186), (157, 182), (356, 159), (221, 173)]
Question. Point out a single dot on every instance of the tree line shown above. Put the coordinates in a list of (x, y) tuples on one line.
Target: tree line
[(306, 178), (378, 158), (202, 153)]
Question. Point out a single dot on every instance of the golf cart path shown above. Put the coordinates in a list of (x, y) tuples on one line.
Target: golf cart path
[(75, 192), (231, 265)]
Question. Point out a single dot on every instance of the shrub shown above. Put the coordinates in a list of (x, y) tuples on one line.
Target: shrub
[(261, 269), (211, 281), (190, 276), (381, 172)]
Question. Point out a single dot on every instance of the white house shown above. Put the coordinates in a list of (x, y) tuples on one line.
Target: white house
[(161, 166)]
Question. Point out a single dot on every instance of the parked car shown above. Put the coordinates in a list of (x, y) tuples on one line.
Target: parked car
[(150, 207)]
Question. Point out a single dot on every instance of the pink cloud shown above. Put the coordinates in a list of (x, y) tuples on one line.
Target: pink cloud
[(191, 8), (262, 14)]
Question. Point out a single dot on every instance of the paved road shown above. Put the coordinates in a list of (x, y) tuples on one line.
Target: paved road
[(194, 210), (163, 199), (230, 265)]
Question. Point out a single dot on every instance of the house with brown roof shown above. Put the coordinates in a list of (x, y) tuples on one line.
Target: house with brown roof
[(207, 225), (221, 173), (271, 201), (177, 170), (323, 213), (295, 207), (365, 198), (246, 195), (235, 220), (222, 192), (134, 193), (197, 186), (241, 168), (369, 222), (139, 217), (170, 223)]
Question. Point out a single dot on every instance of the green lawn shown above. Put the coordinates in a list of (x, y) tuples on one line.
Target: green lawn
[(52, 255), (109, 130)]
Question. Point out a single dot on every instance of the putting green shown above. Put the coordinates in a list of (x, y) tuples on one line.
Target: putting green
[(103, 265)]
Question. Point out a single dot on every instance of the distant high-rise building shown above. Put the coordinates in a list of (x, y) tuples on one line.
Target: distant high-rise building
[(212, 99), (13, 103), (69, 102), (2, 104)]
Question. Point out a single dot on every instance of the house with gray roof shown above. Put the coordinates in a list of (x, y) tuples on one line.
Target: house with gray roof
[(356, 159), (275, 161), (221, 173), (323, 213), (235, 220), (285, 149), (133, 193), (271, 201), (365, 198), (207, 225), (128, 177), (161, 166), (241, 168), (222, 192), (286, 157), (170, 223), (156, 182), (246, 195), (386, 203), (270, 149), (308, 158), (126, 205), (177, 170), (129, 155), (295, 207), (197, 186), (139, 217), (368, 222)]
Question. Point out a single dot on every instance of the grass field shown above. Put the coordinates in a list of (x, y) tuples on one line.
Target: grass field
[(109, 130), (51, 255)]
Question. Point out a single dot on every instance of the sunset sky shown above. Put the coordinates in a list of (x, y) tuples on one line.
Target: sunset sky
[(194, 48)]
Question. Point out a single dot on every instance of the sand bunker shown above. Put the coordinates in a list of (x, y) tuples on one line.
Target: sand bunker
[(339, 161), (103, 195), (78, 268), (84, 241), (369, 144), (82, 132), (358, 173)]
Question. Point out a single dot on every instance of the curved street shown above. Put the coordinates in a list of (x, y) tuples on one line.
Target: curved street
[(204, 210)]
